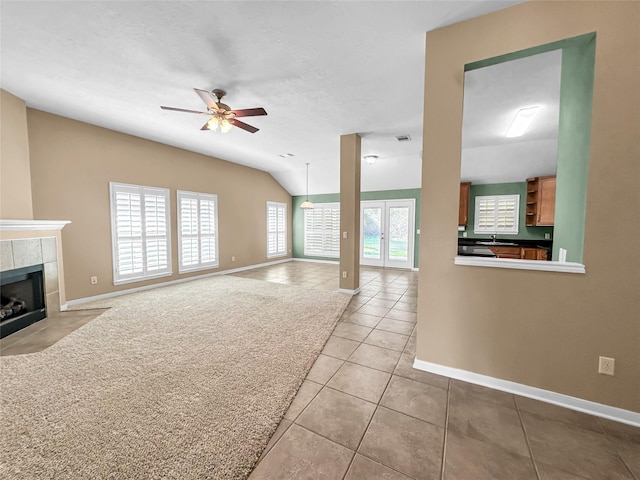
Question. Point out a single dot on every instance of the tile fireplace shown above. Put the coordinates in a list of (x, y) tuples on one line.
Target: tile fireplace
[(31, 279)]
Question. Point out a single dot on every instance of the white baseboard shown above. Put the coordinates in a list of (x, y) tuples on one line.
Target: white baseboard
[(333, 262), (573, 403), (79, 301), (349, 292)]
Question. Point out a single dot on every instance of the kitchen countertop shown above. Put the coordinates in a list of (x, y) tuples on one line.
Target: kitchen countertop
[(470, 247), (475, 251), (518, 243)]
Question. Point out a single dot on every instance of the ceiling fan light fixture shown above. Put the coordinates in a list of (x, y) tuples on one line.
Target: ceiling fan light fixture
[(370, 159), (521, 121), (225, 126), (212, 124), (222, 117)]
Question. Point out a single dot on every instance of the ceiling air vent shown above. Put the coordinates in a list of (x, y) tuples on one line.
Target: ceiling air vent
[(403, 138)]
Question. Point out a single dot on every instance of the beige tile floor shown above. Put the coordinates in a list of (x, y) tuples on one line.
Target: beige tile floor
[(363, 412), (40, 335)]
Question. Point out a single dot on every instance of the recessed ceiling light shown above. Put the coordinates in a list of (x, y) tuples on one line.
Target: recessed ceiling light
[(403, 138), (287, 155), (370, 159), (521, 121)]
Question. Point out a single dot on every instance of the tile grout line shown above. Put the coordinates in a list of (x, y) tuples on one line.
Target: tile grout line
[(615, 449), (446, 431), (526, 438), (366, 430)]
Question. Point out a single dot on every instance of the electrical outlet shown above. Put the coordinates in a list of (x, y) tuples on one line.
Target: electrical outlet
[(547, 236), (464, 234), (344, 274), (233, 259), (345, 234), (606, 365), (94, 280)]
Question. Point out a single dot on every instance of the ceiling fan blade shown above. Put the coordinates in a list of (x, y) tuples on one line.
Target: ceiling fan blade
[(207, 98), (183, 110), (206, 126), (250, 112), (242, 125)]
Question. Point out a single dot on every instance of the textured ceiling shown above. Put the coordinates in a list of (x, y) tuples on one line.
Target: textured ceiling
[(320, 69)]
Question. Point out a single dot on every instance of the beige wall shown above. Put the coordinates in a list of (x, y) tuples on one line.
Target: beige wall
[(15, 181), (350, 162), (541, 329), (72, 164)]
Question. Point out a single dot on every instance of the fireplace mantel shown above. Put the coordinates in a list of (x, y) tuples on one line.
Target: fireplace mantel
[(22, 225)]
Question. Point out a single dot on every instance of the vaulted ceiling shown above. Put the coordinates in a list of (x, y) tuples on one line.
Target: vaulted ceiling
[(320, 69)]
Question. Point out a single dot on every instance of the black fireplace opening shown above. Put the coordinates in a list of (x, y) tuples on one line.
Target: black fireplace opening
[(21, 298)]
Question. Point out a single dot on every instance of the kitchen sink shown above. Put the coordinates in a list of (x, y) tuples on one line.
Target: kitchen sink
[(495, 244)]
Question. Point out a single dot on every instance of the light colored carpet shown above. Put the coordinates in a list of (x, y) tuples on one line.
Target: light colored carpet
[(181, 382)]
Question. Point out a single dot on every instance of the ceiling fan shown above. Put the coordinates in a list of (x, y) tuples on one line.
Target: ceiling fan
[(222, 117)]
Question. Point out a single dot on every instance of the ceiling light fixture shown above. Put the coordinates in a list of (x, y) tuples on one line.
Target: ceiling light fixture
[(370, 159), (307, 205), (219, 123), (521, 121)]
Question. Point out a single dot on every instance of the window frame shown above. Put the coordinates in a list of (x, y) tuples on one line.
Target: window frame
[(324, 253), (278, 232), (198, 196), (143, 191), (497, 230)]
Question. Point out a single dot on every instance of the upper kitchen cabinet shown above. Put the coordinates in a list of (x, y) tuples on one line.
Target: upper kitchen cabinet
[(541, 201), (463, 213)]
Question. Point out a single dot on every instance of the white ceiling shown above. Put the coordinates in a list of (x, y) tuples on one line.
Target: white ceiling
[(492, 97), (320, 69)]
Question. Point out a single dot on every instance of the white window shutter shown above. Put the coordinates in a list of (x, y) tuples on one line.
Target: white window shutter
[(140, 232), (276, 229), (197, 236), (497, 214), (322, 230)]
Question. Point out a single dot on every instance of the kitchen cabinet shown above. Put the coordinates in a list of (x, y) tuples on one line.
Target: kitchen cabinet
[(541, 201), (463, 212), (533, 254), (524, 253), (506, 252)]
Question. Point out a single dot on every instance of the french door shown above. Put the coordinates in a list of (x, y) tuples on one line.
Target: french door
[(387, 233)]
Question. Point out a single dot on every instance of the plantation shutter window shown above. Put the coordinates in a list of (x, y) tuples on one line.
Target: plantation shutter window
[(322, 230), (197, 231), (139, 232), (497, 214), (276, 229)]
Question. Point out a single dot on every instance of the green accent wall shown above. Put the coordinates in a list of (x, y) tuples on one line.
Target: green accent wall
[(516, 188), (574, 140), (297, 217), (574, 136)]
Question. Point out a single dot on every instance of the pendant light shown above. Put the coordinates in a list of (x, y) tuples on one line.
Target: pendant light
[(307, 205)]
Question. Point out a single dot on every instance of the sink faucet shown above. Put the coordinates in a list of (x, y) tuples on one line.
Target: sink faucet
[(493, 238)]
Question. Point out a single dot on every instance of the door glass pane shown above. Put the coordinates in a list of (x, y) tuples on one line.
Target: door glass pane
[(398, 233), (372, 239)]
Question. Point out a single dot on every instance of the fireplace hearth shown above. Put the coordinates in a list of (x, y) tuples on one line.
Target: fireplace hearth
[(21, 298)]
